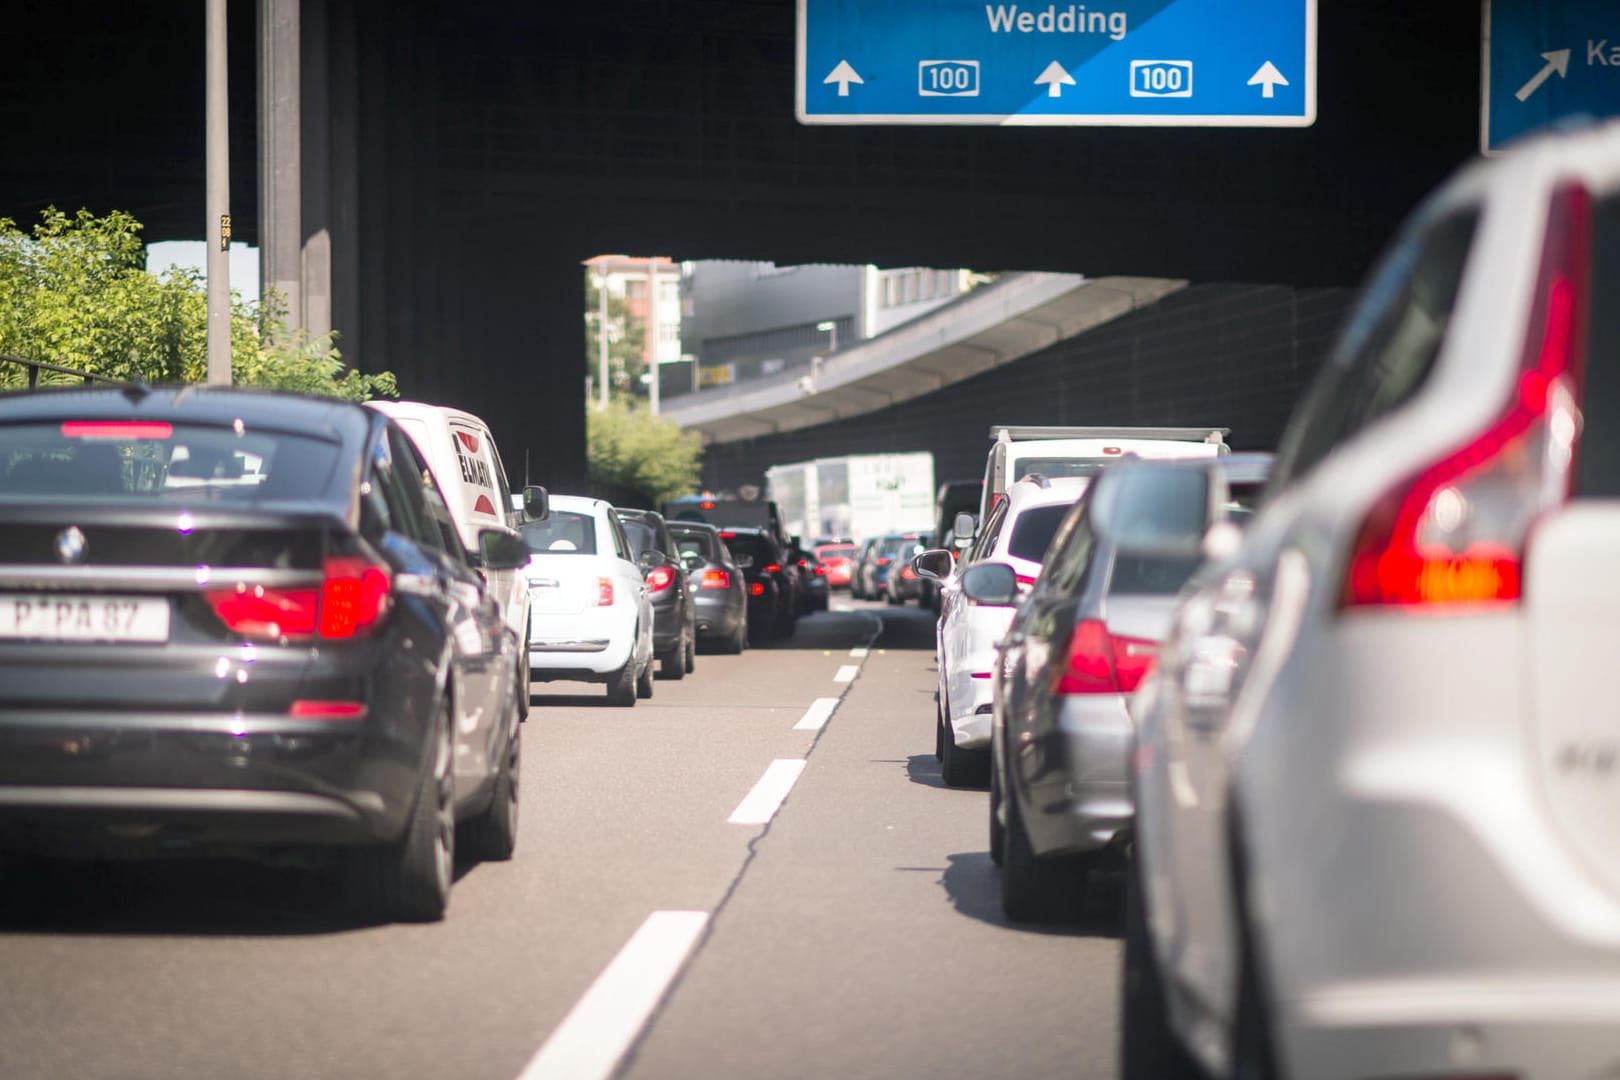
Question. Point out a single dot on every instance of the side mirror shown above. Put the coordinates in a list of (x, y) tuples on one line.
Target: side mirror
[(502, 549), (965, 526), (744, 562), (990, 583), (536, 503), (651, 559), (934, 564)]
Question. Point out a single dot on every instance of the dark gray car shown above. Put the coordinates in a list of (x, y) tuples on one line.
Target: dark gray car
[(720, 594), (674, 613)]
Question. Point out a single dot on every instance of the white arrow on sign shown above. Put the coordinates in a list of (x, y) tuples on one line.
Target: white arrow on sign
[(1054, 78), (843, 75), (1557, 60), (1268, 78)]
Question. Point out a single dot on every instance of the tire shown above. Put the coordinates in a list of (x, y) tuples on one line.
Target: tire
[(738, 641), (691, 651), (621, 687), (672, 665), (1034, 889), (409, 879), (939, 730), (1148, 1047), (644, 681), (962, 768), (492, 835), (524, 688), (998, 831)]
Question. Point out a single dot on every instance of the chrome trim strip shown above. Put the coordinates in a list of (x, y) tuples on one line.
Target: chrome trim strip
[(149, 578)]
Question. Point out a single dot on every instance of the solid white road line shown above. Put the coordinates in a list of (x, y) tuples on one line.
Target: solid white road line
[(595, 1034), (761, 803), (847, 673), (857, 654), (819, 712)]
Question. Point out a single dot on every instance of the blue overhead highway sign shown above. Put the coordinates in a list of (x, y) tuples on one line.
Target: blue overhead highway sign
[(1544, 60), (1161, 63)]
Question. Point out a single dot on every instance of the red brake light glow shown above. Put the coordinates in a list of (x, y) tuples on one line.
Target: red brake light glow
[(773, 568), (756, 589), (351, 600), (716, 579), (660, 578), (728, 536), (257, 612), (327, 710), (1103, 663), (117, 429), (907, 572), (1455, 532), (604, 592)]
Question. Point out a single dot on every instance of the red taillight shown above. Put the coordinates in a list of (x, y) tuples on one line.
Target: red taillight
[(773, 568), (715, 579), (1103, 663), (354, 596), (728, 536), (756, 589), (117, 429), (883, 561), (604, 592), (1455, 532), (1025, 579), (821, 571), (352, 599), (907, 573), (327, 710), (660, 578)]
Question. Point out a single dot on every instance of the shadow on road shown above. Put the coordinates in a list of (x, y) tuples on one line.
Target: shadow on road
[(924, 769), (175, 897), (973, 884)]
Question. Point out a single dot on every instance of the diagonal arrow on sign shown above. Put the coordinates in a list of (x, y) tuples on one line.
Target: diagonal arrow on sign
[(843, 75), (1557, 60), (1054, 78)]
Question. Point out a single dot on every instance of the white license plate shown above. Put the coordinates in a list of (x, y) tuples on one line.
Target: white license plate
[(64, 617)]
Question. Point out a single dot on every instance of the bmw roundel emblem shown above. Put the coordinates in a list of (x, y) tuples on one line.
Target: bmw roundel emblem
[(71, 545)]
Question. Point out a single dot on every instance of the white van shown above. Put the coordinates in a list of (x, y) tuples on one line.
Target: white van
[(1053, 452), (462, 454)]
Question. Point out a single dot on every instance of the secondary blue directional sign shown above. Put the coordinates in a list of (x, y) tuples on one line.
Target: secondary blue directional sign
[(1547, 59), (1167, 63)]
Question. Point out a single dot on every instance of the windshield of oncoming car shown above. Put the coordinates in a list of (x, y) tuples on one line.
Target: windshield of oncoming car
[(1032, 532), (157, 460), (563, 533)]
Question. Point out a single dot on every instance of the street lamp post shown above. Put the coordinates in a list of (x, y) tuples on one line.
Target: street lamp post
[(218, 197), (830, 326)]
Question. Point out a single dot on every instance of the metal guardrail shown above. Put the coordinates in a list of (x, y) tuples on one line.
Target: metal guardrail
[(36, 366)]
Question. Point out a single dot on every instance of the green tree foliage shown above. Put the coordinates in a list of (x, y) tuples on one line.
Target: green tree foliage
[(645, 453), (76, 293), (626, 335)]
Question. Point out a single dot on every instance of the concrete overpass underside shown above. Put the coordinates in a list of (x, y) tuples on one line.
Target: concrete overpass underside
[(460, 158)]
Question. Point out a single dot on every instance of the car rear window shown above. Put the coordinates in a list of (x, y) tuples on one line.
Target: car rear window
[(695, 543), (1032, 532), (1151, 575), (157, 460), (563, 533), (754, 547)]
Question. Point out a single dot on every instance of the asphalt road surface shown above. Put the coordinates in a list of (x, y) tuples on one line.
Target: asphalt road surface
[(663, 917)]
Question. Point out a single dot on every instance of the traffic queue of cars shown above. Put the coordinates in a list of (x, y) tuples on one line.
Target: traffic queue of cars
[(1352, 745)]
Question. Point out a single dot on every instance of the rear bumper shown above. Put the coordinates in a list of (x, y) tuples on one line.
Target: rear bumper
[(587, 645), (719, 613), (141, 784), (1089, 799)]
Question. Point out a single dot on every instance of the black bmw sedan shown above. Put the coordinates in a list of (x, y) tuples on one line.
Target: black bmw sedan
[(239, 623)]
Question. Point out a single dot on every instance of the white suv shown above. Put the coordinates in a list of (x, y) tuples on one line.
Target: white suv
[(1377, 772)]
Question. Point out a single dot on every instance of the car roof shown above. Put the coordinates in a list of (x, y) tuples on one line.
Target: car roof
[(575, 503)]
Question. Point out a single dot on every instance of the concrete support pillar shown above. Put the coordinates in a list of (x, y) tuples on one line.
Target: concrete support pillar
[(315, 75), (281, 230)]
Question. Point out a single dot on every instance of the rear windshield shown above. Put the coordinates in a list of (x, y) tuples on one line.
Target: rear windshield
[(1032, 532), (561, 533), (695, 543), (905, 546), (642, 536), (149, 460), (835, 551), (1052, 468), (1151, 575), (754, 547)]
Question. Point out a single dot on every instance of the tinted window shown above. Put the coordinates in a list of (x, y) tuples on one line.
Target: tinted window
[(1598, 455), (985, 542), (1052, 468), (157, 460), (1153, 507), (762, 551), (1389, 346), (562, 533), (1069, 554), (694, 543), (1033, 530), (428, 511), (643, 536), (1153, 575)]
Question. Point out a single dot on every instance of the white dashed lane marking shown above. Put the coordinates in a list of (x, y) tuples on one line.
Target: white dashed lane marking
[(761, 803), (847, 673), (819, 712)]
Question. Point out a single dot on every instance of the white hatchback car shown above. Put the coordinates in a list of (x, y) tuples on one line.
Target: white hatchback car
[(1377, 770), (591, 616), (968, 634)]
